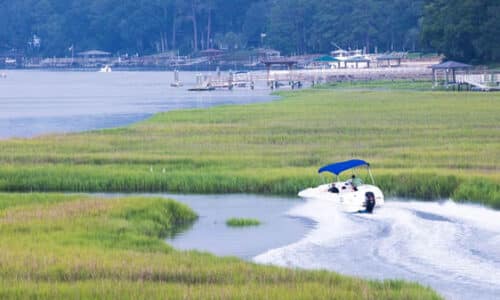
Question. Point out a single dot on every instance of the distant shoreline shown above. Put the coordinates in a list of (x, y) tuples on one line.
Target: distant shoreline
[(200, 68)]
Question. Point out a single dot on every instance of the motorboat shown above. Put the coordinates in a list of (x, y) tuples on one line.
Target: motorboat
[(105, 69), (346, 55), (201, 88), (177, 82), (203, 84), (351, 195)]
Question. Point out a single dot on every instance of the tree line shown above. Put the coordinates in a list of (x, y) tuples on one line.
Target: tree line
[(56, 27)]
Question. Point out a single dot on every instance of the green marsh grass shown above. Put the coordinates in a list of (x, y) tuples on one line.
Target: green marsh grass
[(421, 144), (72, 246), (412, 85), (242, 222)]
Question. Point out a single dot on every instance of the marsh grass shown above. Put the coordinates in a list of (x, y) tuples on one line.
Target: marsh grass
[(66, 247), (242, 222), (411, 85), (421, 144)]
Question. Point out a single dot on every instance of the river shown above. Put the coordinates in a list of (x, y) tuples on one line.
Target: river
[(40, 102), (454, 248)]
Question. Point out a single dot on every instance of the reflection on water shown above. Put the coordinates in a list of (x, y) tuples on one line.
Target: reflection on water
[(210, 232), (39, 102)]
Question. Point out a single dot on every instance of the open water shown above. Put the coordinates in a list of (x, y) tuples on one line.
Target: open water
[(42, 102), (454, 248), (210, 233)]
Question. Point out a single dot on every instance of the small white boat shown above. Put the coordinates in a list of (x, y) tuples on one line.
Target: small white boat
[(105, 69), (351, 195), (3, 75), (202, 84), (177, 82), (204, 88)]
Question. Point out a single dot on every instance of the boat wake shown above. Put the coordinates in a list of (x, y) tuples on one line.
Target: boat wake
[(454, 248)]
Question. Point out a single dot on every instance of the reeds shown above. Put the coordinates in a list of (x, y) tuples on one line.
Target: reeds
[(92, 248), (410, 85), (421, 144)]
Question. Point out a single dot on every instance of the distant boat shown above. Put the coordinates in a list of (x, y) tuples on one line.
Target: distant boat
[(202, 84), (177, 82), (243, 79), (343, 55), (3, 75), (105, 69), (201, 88)]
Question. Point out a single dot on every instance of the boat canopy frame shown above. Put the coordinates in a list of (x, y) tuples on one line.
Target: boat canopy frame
[(339, 167)]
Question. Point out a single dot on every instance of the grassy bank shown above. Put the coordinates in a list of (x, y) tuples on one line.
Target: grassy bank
[(421, 144), (381, 85), (59, 247)]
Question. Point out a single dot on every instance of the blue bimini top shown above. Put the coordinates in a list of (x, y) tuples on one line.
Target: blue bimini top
[(339, 167)]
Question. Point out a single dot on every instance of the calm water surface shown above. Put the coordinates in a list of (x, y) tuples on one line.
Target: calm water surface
[(210, 232), (41, 102)]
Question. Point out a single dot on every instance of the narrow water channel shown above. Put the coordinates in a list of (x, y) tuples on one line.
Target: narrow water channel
[(454, 248), (210, 233)]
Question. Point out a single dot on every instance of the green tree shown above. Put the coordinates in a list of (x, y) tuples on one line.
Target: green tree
[(289, 26), (465, 30)]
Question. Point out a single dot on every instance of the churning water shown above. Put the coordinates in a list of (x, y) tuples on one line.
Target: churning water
[(454, 248)]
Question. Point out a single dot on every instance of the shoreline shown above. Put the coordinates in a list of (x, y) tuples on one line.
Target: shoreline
[(115, 248), (79, 102)]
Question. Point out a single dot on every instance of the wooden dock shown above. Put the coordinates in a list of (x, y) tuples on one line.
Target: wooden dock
[(483, 82), (296, 78)]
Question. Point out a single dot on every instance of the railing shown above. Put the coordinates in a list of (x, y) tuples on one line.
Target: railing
[(345, 74), (483, 79)]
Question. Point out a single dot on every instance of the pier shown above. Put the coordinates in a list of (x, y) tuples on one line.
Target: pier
[(337, 75), (482, 82)]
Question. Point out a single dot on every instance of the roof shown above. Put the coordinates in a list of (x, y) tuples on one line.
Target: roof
[(267, 50), (339, 167), (211, 51), (451, 65), (94, 53), (340, 51), (279, 61), (357, 59), (326, 58), (388, 57)]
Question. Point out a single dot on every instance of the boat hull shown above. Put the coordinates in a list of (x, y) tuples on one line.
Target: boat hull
[(347, 198)]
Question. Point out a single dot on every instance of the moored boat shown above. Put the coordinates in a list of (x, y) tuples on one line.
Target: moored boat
[(105, 69)]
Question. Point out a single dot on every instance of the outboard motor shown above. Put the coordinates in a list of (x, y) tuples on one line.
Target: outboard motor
[(369, 201), (333, 189)]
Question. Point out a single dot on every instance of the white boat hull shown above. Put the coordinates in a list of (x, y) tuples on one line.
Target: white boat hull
[(105, 69), (347, 198), (176, 84)]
